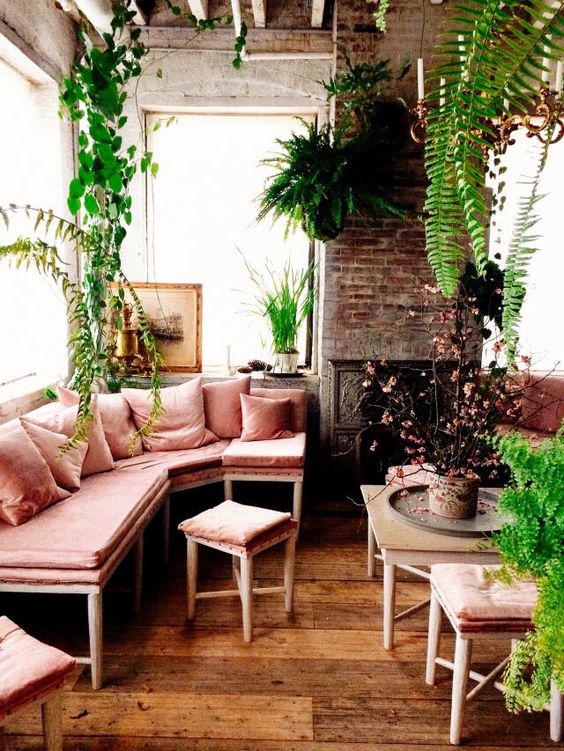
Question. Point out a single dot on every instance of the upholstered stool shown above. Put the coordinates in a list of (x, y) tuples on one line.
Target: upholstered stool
[(32, 671), (476, 608), (243, 532)]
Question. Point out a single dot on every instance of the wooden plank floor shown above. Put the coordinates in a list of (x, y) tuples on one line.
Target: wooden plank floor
[(318, 680)]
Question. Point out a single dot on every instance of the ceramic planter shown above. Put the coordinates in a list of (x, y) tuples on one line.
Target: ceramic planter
[(285, 362), (454, 497)]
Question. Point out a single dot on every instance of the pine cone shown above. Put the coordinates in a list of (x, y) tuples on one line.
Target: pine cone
[(257, 365)]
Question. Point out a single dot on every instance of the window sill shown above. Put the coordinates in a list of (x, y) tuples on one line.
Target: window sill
[(25, 395)]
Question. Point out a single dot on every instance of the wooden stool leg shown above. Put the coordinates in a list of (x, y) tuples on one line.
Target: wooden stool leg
[(556, 713), (371, 552), (192, 578), (389, 604), (95, 619), (166, 530), (297, 501), (52, 715), (228, 490), (235, 568), (462, 657), (289, 565), (433, 637), (247, 597)]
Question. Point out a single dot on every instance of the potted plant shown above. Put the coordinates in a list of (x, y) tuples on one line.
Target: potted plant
[(532, 545), (446, 415), (285, 299), (326, 174)]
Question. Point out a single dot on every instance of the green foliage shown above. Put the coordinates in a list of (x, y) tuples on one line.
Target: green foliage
[(380, 15), (286, 299), (532, 545), (498, 59), (323, 176)]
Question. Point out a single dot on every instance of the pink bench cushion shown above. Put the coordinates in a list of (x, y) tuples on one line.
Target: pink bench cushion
[(542, 407), (298, 407), (28, 667), (222, 404), (479, 603), (282, 453), (265, 419), (233, 523), (83, 531), (180, 461)]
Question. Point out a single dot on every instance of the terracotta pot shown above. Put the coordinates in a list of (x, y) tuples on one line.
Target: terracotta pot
[(454, 497)]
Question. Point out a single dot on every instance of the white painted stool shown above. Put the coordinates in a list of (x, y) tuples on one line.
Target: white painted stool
[(243, 532), (477, 608)]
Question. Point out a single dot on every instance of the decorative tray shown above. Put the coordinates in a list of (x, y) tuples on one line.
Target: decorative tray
[(272, 374), (412, 506)]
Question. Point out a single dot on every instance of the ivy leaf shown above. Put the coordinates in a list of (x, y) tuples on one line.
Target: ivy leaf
[(76, 189), (115, 182), (91, 204), (73, 205)]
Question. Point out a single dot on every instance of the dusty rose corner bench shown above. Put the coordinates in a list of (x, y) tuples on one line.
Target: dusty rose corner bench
[(31, 671)]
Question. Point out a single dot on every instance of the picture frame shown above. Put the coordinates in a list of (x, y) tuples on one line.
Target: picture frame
[(174, 312)]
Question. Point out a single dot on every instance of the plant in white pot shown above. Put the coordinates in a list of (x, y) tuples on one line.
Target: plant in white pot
[(285, 298)]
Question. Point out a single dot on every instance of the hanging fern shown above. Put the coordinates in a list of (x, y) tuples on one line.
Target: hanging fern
[(497, 58)]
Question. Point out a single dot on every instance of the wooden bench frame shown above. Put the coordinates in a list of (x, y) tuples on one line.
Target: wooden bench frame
[(50, 701)]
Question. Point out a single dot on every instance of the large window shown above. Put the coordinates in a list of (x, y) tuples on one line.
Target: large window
[(33, 328), (541, 334), (202, 211)]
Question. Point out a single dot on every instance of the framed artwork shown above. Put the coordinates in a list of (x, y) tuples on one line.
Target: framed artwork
[(174, 312)]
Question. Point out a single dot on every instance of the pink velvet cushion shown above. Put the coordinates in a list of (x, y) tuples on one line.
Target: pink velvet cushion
[(542, 407), (117, 421), (223, 406), (27, 666), (62, 419), (182, 424), (65, 467), (298, 406), (265, 419), (232, 523), (285, 453), (26, 483), (473, 598)]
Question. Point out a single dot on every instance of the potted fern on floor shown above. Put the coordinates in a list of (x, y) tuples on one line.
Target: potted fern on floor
[(285, 299)]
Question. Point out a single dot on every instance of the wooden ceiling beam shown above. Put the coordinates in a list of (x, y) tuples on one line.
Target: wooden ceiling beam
[(317, 10), (99, 13), (259, 12), (199, 8)]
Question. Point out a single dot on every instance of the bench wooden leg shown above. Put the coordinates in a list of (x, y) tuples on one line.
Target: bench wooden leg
[(166, 530), (228, 490), (289, 565), (297, 501), (138, 575), (95, 633), (556, 713), (433, 638), (389, 604), (247, 597), (462, 657), (52, 715), (192, 576)]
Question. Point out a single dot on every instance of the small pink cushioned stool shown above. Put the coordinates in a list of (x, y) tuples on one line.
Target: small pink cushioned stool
[(32, 671), (477, 608), (243, 532)]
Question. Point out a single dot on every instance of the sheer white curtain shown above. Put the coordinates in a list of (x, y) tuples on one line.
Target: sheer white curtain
[(33, 328), (203, 212)]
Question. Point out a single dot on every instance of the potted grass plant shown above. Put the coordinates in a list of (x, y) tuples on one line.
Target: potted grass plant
[(285, 298)]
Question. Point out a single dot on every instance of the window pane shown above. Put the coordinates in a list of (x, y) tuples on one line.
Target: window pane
[(541, 328), (204, 209), (33, 329)]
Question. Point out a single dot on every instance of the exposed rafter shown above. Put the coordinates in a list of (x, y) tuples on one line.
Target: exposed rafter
[(317, 9), (259, 12), (99, 13), (199, 8)]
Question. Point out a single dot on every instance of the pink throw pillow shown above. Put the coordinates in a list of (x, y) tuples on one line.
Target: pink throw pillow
[(65, 467), (265, 419), (182, 425), (63, 420), (117, 421), (26, 483), (222, 405)]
